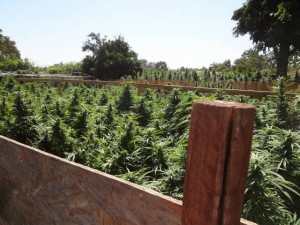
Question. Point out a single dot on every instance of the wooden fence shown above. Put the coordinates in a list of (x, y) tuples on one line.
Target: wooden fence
[(140, 86), (39, 188)]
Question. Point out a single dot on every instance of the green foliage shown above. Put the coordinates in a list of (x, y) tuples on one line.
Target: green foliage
[(126, 141), (267, 23), (15, 64), (263, 202), (81, 124), (111, 59), (297, 77), (22, 127), (9, 83), (10, 58), (104, 99), (144, 138), (161, 65), (250, 61), (65, 68), (125, 101), (109, 116), (144, 113), (171, 107), (8, 48), (282, 104)]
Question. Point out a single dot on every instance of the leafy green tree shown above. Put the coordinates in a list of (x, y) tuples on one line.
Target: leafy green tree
[(110, 59), (161, 65), (271, 25), (147, 65), (8, 48), (221, 67), (14, 64), (65, 68), (10, 58), (250, 61)]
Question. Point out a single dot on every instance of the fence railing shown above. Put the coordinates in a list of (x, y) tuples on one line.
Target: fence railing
[(140, 86), (40, 188)]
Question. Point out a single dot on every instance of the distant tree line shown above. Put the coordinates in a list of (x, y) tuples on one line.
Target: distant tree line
[(273, 27), (10, 57)]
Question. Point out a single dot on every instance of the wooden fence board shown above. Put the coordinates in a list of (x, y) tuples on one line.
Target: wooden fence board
[(237, 164), (251, 93), (40, 188), (218, 156)]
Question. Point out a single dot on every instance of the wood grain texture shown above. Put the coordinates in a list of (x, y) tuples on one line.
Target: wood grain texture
[(237, 165), (216, 130), (39, 188), (208, 140)]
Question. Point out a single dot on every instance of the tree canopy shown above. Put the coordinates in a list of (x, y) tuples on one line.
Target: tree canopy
[(250, 61), (109, 59), (161, 65), (271, 24), (8, 48)]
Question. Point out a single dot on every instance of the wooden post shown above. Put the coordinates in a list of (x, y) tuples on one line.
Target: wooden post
[(217, 164)]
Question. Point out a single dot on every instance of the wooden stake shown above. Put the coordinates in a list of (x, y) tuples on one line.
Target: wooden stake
[(218, 156)]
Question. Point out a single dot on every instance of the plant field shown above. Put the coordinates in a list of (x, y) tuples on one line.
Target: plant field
[(259, 81), (143, 138)]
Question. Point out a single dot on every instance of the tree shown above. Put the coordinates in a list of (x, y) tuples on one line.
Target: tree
[(8, 48), (221, 67), (271, 25), (250, 61), (110, 59), (147, 65), (161, 65)]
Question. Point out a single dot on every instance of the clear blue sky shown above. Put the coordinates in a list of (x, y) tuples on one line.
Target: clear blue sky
[(190, 33)]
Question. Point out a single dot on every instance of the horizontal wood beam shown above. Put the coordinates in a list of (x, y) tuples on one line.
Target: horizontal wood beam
[(251, 93)]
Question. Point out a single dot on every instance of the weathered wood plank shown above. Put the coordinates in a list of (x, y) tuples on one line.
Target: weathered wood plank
[(213, 143), (246, 222), (39, 188), (237, 164), (208, 140)]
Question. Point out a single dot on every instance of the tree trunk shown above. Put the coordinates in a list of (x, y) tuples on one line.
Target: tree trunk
[(283, 60)]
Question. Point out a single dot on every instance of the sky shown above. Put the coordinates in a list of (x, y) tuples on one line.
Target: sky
[(189, 33)]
